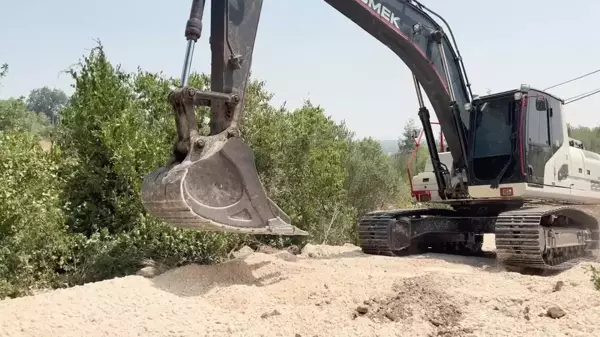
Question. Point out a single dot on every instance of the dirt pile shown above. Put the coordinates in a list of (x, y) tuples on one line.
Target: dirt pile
[(324, 291), (416, 299)]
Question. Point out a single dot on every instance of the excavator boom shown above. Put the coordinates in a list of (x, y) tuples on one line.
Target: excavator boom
[(211, 182), (405, 28)]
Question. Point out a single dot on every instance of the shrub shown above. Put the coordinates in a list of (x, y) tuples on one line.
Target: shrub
[(34, 247), (73, 214)]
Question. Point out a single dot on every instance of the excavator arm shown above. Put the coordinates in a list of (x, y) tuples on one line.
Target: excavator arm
[(405, 27), (211, 182)]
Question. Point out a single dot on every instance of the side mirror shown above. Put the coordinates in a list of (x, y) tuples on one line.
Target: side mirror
[(540, 104)]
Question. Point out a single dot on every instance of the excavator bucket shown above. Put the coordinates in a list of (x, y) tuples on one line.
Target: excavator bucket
[(218, 191), (211, 182)]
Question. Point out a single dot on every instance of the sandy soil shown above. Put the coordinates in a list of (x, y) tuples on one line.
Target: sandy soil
[(325, 291)]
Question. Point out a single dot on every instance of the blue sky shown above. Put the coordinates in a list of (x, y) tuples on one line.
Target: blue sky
[(306, 49)]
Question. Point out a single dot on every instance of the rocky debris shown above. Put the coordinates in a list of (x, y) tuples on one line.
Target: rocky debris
[(558, 286), (148, 272), (527, 313), (243, 252), (286, 255), (453, 332), (362, 310), (324, 302), (267, 249), (268, 314), (295, 250), (555, 312), (417, 297), (320, 251), (319, 298), (151, 268)]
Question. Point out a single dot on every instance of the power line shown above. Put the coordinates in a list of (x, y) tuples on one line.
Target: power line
[(581, 96), (574, 79)]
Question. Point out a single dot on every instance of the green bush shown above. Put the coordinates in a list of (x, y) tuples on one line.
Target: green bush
[(595, 277), (116, 128), (15, 116), (105, 255), (301, 156), (74, 215), (34, 247)]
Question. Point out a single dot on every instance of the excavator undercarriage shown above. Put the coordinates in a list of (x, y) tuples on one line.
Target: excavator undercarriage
[(532, 237), (211, 182)]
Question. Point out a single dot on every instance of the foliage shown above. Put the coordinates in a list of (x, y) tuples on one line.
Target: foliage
[(117, 127), (32, 234), (85, 222), (14, 115), (407, 141), (104, 255), (590, 137), (595, 277), (406, 145), (47, 101), (301, 156), (3, 70), (372, 177)]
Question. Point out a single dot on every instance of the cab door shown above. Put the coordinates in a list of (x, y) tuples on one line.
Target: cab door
[(539, 139)]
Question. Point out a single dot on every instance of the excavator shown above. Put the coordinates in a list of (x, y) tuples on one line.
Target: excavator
[(510, 167)]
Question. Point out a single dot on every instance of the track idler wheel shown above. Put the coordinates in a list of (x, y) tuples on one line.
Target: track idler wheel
[(216, 188)]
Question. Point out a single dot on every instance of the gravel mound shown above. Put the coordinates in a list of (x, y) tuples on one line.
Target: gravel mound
[(324, 291)]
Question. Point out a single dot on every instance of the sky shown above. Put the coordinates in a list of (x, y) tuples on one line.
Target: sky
[(307, 50)]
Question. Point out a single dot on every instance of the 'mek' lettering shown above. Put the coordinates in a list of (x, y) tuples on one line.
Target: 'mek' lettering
[(383, 12)]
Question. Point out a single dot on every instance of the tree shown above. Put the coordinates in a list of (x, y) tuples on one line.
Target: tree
[(83, 219), (15, 116), (406, 143), (32, 245), (590, 137), (3, 70), (47, 101), (372, 177), (300, 156)]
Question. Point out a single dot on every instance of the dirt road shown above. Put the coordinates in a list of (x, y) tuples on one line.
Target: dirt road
[(325, 291)]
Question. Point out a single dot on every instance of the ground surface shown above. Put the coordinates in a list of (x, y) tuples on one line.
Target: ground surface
[(325, 291)]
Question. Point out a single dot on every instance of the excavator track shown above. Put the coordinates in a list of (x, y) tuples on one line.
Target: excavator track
[(525, 239), (397, 232), (374, 233)]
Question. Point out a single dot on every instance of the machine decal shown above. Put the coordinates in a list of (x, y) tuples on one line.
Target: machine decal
[(384, 12)]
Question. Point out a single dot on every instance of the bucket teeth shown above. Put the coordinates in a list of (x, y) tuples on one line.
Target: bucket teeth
[(218, 189)]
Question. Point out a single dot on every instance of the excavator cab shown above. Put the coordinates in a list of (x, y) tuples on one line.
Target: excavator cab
[(211, 182), (520, 149)]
